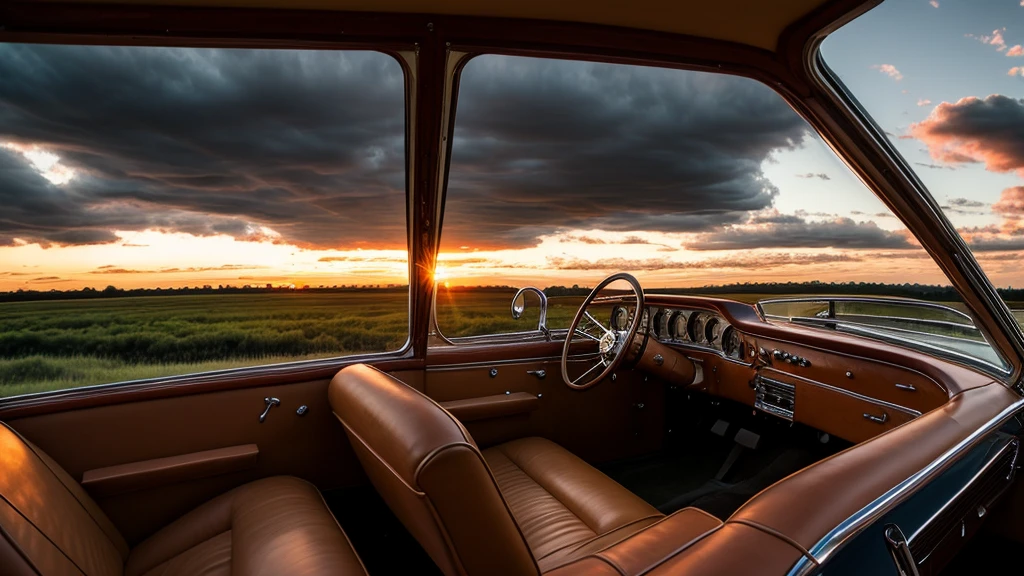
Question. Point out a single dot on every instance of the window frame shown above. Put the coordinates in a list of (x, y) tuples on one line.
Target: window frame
[(429, 40)]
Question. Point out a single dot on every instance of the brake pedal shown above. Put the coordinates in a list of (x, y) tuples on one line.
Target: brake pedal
[(720, 428), (744, 439)]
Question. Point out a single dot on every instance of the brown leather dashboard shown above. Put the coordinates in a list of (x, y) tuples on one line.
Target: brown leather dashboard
[(852, 387)]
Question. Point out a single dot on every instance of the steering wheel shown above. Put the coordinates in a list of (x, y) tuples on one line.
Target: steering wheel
[(612, 344)]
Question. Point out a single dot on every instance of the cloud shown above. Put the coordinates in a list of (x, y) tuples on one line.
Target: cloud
[(935, 166), (820, 176), (1017, 50), (308, 147), (110, 269), (924, 102), (1010, 203), (757, 261), (543, 146), (965, 203), (307, 144), (1016, 71), (934, 3), (974, 130), (889, 70), (838, 233), (994, 39)]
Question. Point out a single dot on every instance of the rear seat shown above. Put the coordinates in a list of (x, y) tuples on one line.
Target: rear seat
[(50, 526)]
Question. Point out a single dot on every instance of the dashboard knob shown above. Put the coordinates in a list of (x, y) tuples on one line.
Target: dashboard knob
[(779, 354)]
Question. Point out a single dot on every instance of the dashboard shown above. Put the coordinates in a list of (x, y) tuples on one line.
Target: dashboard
[(854, 388)]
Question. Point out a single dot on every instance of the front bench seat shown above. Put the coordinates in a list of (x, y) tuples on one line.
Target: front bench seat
[(50, 526), (523, 507)]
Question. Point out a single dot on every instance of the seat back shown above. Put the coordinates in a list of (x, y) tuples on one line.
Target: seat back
[(48, 523), (431, 474)]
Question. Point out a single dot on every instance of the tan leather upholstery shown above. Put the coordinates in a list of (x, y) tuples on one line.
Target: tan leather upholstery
[(50, 526), (516, 508), (562, 504)]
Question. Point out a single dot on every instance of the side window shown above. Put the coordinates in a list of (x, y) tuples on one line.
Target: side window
[(168, 211), (564, 172)]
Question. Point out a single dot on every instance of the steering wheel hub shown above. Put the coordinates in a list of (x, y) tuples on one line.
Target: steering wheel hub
[(607, 343)]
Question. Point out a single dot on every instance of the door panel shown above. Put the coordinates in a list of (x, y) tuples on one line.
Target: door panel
[(612, 420), (312, 446)]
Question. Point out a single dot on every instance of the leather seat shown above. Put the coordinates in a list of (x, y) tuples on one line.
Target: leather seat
[(523, 507), (50, 526)]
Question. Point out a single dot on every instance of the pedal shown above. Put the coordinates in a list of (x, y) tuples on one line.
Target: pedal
[(744, 439), (720, 428), (747, 439)]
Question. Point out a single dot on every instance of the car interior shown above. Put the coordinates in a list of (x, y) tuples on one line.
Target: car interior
[(658, 434)]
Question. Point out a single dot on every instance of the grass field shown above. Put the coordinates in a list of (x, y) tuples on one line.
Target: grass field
[(49, 345)]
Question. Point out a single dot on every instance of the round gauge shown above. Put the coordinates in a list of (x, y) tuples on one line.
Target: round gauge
[(732, 343), (659, 324), (677, 326), (645, 320), (695, 327), (712, 329), (620, 318)]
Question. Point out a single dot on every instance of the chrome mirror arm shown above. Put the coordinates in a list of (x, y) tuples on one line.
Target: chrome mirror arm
[(518, 306)]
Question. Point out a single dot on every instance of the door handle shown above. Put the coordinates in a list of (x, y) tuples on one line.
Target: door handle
[(877, 419), (271, 402), (540, 374)]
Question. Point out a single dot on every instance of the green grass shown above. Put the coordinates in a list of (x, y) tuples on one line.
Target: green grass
[(55, 344), (49, 345)]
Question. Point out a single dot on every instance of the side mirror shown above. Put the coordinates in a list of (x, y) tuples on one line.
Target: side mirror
[(519, 307)]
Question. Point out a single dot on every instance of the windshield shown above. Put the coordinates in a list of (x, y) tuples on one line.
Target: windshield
[(944, 80), (564, 172)]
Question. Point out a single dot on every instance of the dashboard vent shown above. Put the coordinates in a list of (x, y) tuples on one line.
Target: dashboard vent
[(775, 397), (977, 495)]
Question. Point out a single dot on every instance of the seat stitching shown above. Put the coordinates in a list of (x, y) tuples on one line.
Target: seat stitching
[(44, 534), (377, 456), (501, 497), (773, 532), (674, 552), (17, 548), (552, 496), (681, 549), (599, 536), (60, 480)]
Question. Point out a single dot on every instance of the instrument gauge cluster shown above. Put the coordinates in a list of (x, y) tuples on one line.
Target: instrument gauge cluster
[(696, 328)]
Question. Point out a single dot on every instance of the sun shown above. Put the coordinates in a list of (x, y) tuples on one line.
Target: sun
[(441, 276)]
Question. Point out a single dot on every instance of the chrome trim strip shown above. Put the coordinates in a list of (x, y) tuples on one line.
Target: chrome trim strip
[(853, 525), (911, 302), (861, 397), (988, 465), (485, 364)]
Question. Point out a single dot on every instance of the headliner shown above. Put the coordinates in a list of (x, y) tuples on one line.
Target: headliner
[(757, 23)]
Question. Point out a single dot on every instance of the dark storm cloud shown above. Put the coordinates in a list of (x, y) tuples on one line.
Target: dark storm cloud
[(759, 261), (996, 244), (543, 145), (989, 130), (809, 175), (838, 233), (310, 144), (965, 203)]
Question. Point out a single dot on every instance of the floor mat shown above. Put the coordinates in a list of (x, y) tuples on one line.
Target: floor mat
[(380, 539)]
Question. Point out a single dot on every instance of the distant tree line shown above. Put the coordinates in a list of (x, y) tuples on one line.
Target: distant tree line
[(114, 292), (932, 292)]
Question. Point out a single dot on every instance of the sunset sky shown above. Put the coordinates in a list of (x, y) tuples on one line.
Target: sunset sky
[(146, 167)]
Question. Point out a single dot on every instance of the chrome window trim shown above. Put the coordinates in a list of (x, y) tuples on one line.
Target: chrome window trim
[(408, 64), (200, 378), (995, 307), (855, 524)]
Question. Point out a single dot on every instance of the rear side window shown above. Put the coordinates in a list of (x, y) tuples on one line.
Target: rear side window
[(168, 211)]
